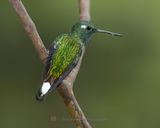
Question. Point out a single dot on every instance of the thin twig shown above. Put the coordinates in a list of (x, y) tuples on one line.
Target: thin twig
[(84, 10), (66, 89), (72, 105), (30, 28)]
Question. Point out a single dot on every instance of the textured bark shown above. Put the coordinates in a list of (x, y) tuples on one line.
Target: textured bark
[(66, 89)]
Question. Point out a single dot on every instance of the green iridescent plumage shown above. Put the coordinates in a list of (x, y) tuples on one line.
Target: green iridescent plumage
[(68, 49), (64, 54)]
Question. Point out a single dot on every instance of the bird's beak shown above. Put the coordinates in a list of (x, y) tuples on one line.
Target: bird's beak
[(108, 32)]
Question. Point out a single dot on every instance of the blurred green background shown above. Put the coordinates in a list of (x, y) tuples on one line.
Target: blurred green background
[(118, 85)]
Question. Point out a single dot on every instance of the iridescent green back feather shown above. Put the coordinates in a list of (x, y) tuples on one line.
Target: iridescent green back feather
[(67, 50)]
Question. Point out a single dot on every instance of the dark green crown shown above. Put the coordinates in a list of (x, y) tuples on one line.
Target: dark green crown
[(85, 29)]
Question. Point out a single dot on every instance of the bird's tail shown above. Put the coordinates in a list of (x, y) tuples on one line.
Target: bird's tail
[(39, 97), (43, 91)]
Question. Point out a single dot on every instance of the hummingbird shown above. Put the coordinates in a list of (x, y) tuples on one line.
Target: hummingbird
[(64, 54)]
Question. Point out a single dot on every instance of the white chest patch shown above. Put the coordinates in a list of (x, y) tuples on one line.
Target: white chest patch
[(83, 26), (45, 87)]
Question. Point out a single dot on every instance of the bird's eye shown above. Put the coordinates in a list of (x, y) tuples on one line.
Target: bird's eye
[(88, 28)]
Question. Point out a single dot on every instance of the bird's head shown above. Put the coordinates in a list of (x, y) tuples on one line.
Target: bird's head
[(85, 29)]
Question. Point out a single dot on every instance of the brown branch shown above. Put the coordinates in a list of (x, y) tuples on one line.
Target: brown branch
[(66, 89), (30, 28), (69, 99), (84, 10)]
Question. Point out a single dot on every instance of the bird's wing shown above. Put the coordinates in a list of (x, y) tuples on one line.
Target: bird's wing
[(58, 81), (50, 62), (52, 50)]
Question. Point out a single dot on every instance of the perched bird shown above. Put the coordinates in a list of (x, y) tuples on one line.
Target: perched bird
[(64, 54)]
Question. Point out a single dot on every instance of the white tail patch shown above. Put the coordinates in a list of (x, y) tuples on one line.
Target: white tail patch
[(45, 87), (84, 26)]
